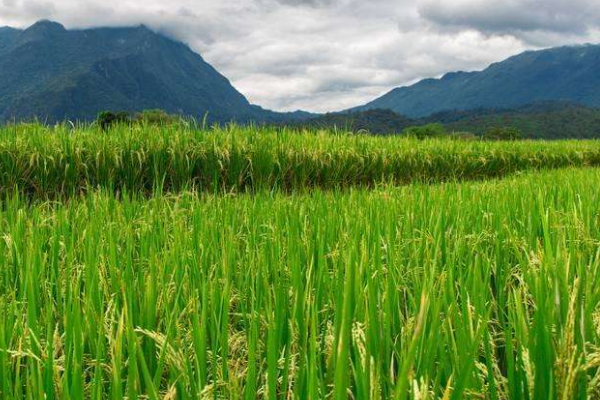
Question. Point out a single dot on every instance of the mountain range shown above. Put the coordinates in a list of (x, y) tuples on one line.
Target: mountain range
[(53, 74)]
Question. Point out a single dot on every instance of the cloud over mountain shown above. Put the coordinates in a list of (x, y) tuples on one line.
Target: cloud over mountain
[(332, 54)]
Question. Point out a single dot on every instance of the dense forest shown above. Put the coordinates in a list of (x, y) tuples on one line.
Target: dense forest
[(537, 121), (546, 120)]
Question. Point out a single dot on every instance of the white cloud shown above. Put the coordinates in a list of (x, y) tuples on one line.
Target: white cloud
[(323, 55)]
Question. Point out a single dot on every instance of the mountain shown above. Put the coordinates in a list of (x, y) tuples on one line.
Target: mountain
[(7, 35), (52, 73), (560, 74)]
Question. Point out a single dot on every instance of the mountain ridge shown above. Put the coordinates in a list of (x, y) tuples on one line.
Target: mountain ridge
[(51, 73), (567, 73)]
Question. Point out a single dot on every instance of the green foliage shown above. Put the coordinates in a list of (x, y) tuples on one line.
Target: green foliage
[(379, 122), (133, 265), (536, 121), (547, 120), (137, 158), (426, 131), (156, 117), (502, 133), (107, 119), (485, 290)]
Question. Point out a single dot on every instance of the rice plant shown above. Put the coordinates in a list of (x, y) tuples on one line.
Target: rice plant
[(461, 290), (56, 162)]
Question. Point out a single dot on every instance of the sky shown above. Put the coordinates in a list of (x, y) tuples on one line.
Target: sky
[(329, 55)]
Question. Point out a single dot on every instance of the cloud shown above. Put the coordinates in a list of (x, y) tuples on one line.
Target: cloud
[(514, 17), (14, 9), (310, 3), (323, 55)]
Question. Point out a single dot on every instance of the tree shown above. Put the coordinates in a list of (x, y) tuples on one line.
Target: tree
[(155, 117), (106, 119), (426, 131)]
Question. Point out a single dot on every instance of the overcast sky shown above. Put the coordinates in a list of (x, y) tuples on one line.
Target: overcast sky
[(324, 55)]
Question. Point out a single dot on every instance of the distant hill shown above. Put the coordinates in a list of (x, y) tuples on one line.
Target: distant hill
[(54, 74), (544, 120), (560, 74), (380, 122), (537, 121)]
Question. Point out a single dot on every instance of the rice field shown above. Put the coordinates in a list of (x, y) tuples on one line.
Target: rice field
[(253, 263), (63, 161), (482, 289)]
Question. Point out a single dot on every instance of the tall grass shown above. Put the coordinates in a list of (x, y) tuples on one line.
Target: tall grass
[(53, 162), (473, 290)]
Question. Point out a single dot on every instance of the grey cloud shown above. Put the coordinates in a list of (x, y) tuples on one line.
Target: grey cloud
[(186, 12), (27, 9), (33, 7), (310, 3), (514, 17)]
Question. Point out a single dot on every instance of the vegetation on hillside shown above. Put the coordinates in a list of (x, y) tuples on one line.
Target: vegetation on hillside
[(379, 122), (542, 121), (426, 131), (547, 120), (504, 133)]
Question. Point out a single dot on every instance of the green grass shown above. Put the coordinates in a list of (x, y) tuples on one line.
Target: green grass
[(462, 290), (57, 162)]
